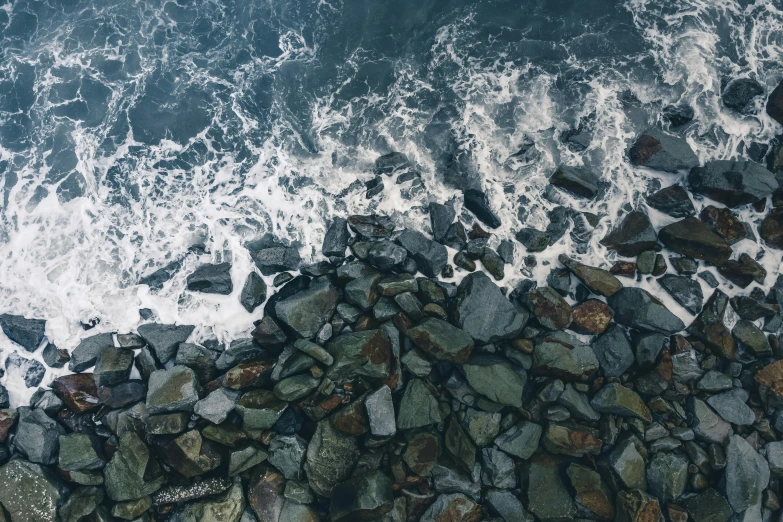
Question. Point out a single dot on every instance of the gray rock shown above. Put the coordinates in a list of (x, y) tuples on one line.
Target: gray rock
[(336, 238), (272, 256), (366, 353), (747, 474), (731, 406), (287, 453), (37, 436), (714, 381), (453, 507), (613, 350), (226, 508), (380, 412), (659, 150), (172, 390), (667, 475), (78, 453), (197, 358), (708, 506), (441, 217), (442, 340), (636, 308), (363, 291), (260, 409), (593, 498), (533, 240), (238, 351), (774, 453), (132, 472), (216, 406), (296, 387), (497, 469), (331, 455), (628, 464), (477, 202), (692, 238), (560, 355), (314, 351), (750, 336), (363, 497), (419, 407), (732, 182), (113, 366), (481, 426), (430, 257), (709, 326), (672, 200), (211, 279), (706, 423), (306, 312), (410, 305), (685, 290), (740, 93), (253, 292), (82, 502), (548, 496), (244, 459), (597, 280), (634, 235), (647, 347), (521, 440), (578, 181), (28, 333), (506, 504), (549, 308), (55, 357), (484, 312), (30, 493), (577, 404), (164, 339), (618, 400), (496, 379), (86, 352), (30, 371)]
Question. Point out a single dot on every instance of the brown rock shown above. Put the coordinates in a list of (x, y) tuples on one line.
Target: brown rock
[(724, 222), (709, 328), (265, 494), (771, 376), (249, 374), (637, 506), (591, 317), (771, 229), (77, 391), (7, 421), (572, 439), (422, 452), (352, 419), (598, 280), (624, 269)]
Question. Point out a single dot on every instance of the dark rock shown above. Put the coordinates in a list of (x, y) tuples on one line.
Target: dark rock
[(548, 496), (164, 339), (659, 150), (708, 506), (272, 256), (732, 182), (172, 390), (533, 240), (37, 436), (506, 251), (28, 333), (55, 357), (637, 506), (253, 292), (477, 202), (268, 334), (495, 379), (366, 353), (86, 353), (752, 310), (724, 223), (306, 312), (442, 340), (331, 456), (77, 391), (739, 94), (591, 317), (385, 255), (454, 507), (692, 238), (684, 290), (78, 451), (747, 474), (113, 366), (372, 227), (677, 115), (493, 263), (560, 355), (30, 493), (199, 359), (441, 218), (430, 257), (191, 455), (636, 308), (484, 312), (750, 336), (549, 308), (618, 400), (364, 497), (159, 277), (599, 281), (336, 238), (29, 370), (775, 104), (645, 262), (592, 495), (455, 237), (132, 472), (672, 200), (743, 271), (647, 347), (771, 229), (211, 279), (576, 180), (260, 409), (123, 394), (634, 235), (710, 328), (374, 187), (684, 265), (613, 350)]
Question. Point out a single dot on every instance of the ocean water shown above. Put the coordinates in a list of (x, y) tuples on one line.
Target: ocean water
[(136, 133)]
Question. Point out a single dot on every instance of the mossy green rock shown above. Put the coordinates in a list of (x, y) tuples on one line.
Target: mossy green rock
[(132, 472)]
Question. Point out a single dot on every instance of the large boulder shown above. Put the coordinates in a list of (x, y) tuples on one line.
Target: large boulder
[(37, 436), (634, 235), (740, 93), (482, 311), (637, 308), (732, 182), (28, 333), (692, 238), (659, 150), (306, 312), (272, 256)]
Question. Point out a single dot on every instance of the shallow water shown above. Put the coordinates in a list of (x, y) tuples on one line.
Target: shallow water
[(133, 131)]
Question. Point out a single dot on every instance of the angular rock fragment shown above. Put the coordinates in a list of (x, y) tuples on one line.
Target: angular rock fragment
[(331, 456), (132, 472), (306, 312), (164, 339), (454, 507), (481, 310), (37, 436), (549, 499), (659, 150), (613, 351), (771, 230), (30, 492), (272, 256), (442, 340), (86, 352), (253, 292), (618, 400), (336, 238), (549, 308), (732, 182), (747, 474), (172, 390), (634, 235), (685, 290), (692, 238), (637, 308), (430, 257), (709, 326), (599, 281), (211, 279), (593, 498), (560, 355), (477, 202), (672, 200), (364, 497)]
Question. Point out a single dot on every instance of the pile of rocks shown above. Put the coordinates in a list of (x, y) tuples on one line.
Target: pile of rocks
[(373, 390)]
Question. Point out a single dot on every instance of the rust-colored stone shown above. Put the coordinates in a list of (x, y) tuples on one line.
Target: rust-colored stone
[(771, 376), (591, 317), (249, 374), (77, 391), (7, 421), (624, 269)]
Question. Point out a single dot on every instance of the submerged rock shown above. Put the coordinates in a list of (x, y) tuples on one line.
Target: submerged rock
[(739, 94), (576, 180), (477, 202)]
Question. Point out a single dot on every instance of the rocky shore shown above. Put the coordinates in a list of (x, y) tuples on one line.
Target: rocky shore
[(372, 389)]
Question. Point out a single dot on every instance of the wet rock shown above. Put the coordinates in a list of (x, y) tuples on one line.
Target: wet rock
[(336, 238), (493, 263), (362, 498), (477, 202), (37, 436), (372, 226), (216, 406), (164, 339), (637, 506), (506, 504), (692, 238), (743, 271), (226, 508), (87, 351), (495, 379), (253, 292), (132, 472), (297, 387), (55, 357), (731, 406), (677, 115), (684, 290), (481, 310), (724, 223), (272, 256), (634, 235), (113, 366), (497, 469), (548, 497), (613, 351), (659, 150), (385, 255), (442, 340), (419, 407), (709, 326), (636, 308), (751, 309), (593, 498), (331, 456), (200, 359), (706, 423), (77, 452), (172, 390), (732, 182), (30, 371), (667, 475), (211, 279), (774, 105), (673, 201), (30, 493), (191, 455), (560, 355), (363, 292), (441, 217), (520, 440), (573, 440), (265, 494), (287, 453), (533, 240), (628, 464), (599, 281), (549, 308), (591, 317), (482, 427), (578, 181), (133, 509), (771, 230), (77, 391), (380, 412), (454, 507), (739, 94), (430, 257), (28, 333), (747, 474), (244, 459), (366, 353), (260, 409), (708, 506), (306, 312), (750, 336), (8, 419), (618, 400)]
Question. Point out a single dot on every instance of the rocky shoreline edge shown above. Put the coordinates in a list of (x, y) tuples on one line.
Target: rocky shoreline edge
[(373, 390)]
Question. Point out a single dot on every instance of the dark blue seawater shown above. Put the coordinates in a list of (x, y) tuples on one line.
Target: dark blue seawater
[(132, 130)]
